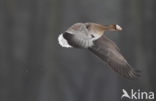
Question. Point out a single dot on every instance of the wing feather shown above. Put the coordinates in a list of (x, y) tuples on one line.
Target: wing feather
[(107, 50)]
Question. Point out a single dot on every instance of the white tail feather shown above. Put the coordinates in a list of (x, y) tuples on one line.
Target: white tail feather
[(63, 42)]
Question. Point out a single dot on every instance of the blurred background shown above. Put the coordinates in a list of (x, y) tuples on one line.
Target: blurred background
[(33, 67)]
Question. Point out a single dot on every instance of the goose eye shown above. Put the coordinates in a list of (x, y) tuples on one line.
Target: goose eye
[(92, 36), (87, 26)]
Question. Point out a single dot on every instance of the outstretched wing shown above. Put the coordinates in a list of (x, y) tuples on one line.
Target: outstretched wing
[(107, 50)]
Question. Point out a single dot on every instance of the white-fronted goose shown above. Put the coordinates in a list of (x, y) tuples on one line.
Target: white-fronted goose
[(90, 36)]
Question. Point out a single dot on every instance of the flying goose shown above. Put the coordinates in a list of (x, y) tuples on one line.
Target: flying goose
[(90, 36)]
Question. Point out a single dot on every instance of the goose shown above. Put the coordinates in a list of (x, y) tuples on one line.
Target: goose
[(91, 36)]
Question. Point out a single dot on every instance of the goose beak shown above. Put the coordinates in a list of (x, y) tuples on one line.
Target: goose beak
[(118, 27)]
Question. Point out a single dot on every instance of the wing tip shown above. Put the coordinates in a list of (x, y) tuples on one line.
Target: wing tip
[(133, 75)]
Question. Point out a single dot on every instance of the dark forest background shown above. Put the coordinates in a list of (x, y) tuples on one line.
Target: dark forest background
[(33, 67)]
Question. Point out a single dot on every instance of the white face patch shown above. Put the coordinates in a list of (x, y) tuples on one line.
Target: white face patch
[(63, 42), (118, 27)]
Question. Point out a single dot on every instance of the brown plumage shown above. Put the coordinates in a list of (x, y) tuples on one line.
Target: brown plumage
[(90, 35)]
